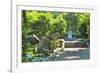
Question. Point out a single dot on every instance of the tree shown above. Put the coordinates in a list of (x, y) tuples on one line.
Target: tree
[(84, 25)]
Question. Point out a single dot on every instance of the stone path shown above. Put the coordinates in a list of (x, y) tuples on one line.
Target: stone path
[(75, 54)]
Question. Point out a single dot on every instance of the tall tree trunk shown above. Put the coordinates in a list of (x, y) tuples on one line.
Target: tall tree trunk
[(24, 17)]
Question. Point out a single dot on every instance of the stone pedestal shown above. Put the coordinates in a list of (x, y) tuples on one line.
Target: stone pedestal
[(69, 34)]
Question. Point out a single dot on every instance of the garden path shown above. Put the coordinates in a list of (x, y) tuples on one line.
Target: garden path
[(75, 54)]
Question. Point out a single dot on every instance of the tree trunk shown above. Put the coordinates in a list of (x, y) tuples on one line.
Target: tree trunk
[(24, 17)]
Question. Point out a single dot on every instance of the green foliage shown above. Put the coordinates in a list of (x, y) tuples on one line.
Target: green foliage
[(44, 24), (84, 25)]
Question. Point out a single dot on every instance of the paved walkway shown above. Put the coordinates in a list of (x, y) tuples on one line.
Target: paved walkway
[(75, 54)]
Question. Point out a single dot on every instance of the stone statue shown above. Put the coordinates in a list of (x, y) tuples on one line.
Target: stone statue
[(46, 45)]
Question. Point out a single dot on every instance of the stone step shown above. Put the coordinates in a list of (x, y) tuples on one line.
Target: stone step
[(72, 58), (75, 44)]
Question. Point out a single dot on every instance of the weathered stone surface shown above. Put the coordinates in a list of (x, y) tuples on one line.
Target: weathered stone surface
[(46, 45), (56, 35), (34, 39)]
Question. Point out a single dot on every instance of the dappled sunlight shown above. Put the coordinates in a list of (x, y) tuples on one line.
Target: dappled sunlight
[(55, 36)]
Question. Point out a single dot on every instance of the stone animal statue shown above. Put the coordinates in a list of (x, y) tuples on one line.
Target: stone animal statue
[(47, 44), (44, 46)]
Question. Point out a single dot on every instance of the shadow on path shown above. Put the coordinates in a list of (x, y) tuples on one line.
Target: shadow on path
[(75, 55)]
